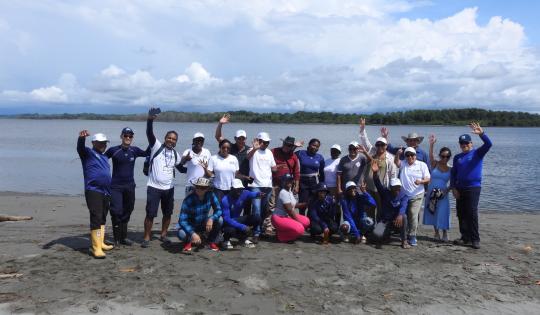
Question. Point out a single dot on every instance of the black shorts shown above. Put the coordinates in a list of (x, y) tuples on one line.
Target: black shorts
[(154, 196)]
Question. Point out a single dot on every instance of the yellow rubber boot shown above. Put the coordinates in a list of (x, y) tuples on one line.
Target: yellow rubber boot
[(103, 245), (95, 248)]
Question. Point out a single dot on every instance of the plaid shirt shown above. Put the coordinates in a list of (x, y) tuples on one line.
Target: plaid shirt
[(194, 212)]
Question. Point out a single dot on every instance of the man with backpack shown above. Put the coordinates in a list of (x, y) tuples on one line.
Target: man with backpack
[(163, 160), (123, 184)]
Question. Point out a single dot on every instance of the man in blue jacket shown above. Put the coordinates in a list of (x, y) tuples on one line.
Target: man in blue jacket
[(466, 181), (97, 188), (353, 204)]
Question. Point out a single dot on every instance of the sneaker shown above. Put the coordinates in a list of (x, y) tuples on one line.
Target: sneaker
[(412, 241), (476, 245), (228, 245), (187, 248), (145, 243), (461, 242), (249, 244), (213, 247)]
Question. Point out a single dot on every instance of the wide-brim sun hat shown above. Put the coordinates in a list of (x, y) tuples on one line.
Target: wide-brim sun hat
[(201, 182), (413, 135)]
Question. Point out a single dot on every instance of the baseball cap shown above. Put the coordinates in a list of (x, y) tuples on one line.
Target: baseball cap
[(355, 143), (350, 184), (240, 133), (100, 137), (382, 139), (198, 135), (395, 182), (465, 138), (264, 136), (410, 149), (127, 131), (237, 183), (336, 146), (286, 177)]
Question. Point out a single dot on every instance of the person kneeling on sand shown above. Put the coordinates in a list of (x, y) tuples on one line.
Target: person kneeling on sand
[(195, 218), (353, 204), (393, 214), (323, 213), (289, 224), (235, 224)]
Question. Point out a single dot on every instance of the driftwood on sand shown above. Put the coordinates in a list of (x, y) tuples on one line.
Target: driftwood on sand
[(13, 218)]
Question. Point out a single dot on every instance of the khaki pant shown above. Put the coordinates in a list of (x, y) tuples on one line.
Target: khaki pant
[(413, 211)]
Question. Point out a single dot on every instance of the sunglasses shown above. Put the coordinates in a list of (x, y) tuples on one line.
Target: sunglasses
[(264, 142), (444, 156), (409, 154), (128, 136), (380, 144), (463, 143)]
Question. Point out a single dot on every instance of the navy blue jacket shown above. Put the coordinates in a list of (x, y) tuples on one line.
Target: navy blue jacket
[(96, 168), (123, 164), (354, 210), (323, 212), (391, 206), (467, 167)]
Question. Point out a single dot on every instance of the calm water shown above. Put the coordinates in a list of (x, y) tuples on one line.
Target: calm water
[(40, 156)]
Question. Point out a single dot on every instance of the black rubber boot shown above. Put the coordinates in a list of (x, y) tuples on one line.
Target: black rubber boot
[(124, 240), (117, 233)]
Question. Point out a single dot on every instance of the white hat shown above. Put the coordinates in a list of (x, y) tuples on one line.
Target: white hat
[(202, 182), (198, 135), (263, 136), (240, 133), (336, 146), (350, 184), (236, 183), (354, 143), (395, 181), (100, 137), (410, 149), (382, 139)]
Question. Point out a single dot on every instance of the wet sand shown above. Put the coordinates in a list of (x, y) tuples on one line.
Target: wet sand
[(57, 276)]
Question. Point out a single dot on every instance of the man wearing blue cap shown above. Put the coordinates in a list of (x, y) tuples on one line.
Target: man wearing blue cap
[(123, 184), (466, 180)]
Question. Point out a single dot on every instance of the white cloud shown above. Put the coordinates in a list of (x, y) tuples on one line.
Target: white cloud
[(112, 71), (51, 94)]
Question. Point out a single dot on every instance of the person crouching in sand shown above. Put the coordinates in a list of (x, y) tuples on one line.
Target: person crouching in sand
[(393, 213), (324, 213), (353, 204), (195, 218)]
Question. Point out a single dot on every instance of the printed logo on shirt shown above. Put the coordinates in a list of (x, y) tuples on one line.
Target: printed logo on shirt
[(357, 164)]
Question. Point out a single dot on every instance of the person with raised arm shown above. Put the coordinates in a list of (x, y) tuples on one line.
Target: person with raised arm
[(193, 160), (239, 148), (356, 223), (466, 182), (160, 187), (437, 203), (412, 140)]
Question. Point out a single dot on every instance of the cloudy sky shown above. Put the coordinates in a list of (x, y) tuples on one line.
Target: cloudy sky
[(269, 55)]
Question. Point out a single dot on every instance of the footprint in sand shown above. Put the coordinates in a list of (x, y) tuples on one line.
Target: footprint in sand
[(255, 283)]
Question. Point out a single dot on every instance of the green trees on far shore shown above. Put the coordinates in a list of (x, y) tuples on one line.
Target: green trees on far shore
[(412, 117)]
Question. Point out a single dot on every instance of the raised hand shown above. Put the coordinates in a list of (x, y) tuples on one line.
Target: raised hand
[(225, 118), (400, 151), (187, 157), (255, 144), (476, 129), (363, 187), (203, 163), (374, 166), (299, 144), (432, 139), (362, 124), (152, 113), (384, 132), (84, 133)]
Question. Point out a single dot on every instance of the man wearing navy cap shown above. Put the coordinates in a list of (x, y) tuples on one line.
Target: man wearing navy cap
[(123, 184), (466, 180)]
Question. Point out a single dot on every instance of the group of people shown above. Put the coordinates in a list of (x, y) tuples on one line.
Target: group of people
[(245, 192)]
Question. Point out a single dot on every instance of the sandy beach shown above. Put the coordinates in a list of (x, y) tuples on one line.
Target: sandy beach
[(49, 271)]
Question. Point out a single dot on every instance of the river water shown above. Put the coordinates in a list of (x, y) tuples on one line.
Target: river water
[(39, 156)]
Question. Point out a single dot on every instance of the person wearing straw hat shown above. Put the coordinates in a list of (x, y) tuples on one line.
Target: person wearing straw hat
[(412, 140), (238, 224), (97, 188), (195, 219)]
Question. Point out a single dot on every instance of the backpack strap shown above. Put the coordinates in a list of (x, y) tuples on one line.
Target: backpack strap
[(154, 156)]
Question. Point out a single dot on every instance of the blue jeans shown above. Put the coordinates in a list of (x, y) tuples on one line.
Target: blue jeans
[(260, 206)]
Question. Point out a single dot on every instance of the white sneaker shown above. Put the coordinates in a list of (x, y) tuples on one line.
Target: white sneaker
[(249, 244), (228, 245)]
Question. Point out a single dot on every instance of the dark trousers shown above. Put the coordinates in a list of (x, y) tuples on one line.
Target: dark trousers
[(211, 237), (389, 228), (122, 203), (316, 229), (249, 220), (307, 186), (98, 204), (467, 213)]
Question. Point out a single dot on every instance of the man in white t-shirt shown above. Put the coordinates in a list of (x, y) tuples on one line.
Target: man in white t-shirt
[(261, 167), (160, 186), (192, 159), (414, 175), (330, 169)]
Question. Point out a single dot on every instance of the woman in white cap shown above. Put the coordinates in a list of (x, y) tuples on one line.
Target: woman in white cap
[(414, 175), (239, 148)]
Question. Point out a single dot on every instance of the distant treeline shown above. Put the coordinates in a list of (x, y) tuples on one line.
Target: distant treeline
[(412, 117)]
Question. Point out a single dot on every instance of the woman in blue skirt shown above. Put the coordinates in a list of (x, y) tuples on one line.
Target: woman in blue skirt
[(437, 204)]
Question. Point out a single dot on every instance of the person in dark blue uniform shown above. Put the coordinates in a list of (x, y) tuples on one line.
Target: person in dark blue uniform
[(97, 188), (123, 184), (311, 171)]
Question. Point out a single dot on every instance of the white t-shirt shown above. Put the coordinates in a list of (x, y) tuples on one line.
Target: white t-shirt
[(285, 196), (260, 168), (194, 169), (161, 176), (224, 170), (409, 173), (330, 172)]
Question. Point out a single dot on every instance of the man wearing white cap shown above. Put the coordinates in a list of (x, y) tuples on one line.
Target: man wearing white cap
[(414, 175), (350, 168), (238, 148), (261, 167), (330, 169), (97, 188), (192, 160), (385, 161)]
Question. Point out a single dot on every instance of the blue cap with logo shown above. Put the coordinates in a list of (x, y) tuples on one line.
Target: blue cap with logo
[(465, 138), (127, 131)]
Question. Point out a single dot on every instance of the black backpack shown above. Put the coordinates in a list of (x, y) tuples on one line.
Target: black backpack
[(147, 166)]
